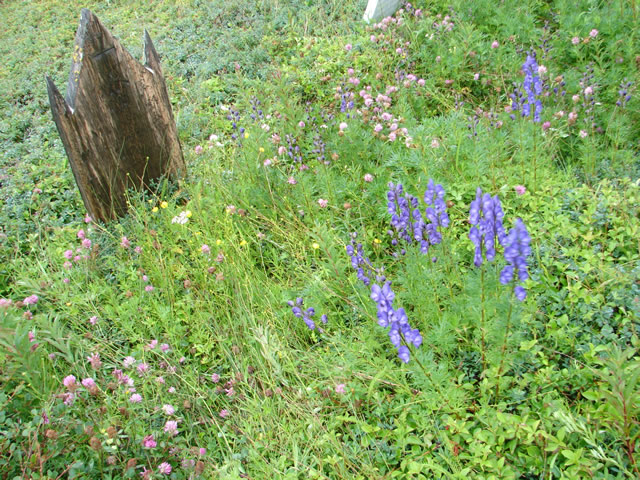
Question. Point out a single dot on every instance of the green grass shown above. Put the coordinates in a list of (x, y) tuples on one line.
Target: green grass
[(544, 388)]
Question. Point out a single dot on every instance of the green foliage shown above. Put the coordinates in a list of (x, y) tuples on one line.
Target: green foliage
[(194, 281)]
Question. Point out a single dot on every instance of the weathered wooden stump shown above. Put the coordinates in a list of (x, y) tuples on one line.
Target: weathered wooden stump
[(115, 121)]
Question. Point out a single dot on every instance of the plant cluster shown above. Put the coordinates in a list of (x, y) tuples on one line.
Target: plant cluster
[(485, 330)]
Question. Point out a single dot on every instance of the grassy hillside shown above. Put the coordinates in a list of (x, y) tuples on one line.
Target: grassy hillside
[(402, 250)]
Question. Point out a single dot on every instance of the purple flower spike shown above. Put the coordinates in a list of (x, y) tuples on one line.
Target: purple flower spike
[(520, 292), (400, 332), (306, 314), (528, 97), (517, 249), (403, 353), (485, 216)]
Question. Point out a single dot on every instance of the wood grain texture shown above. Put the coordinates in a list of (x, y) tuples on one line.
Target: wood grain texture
[(115, 121)]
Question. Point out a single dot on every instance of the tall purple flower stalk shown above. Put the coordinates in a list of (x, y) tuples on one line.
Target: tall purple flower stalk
[(485, 216), (528, 98), (409, 222), (624, 93), (400, 208), (436, 213), (363, 266), (517, 249), (306, 315), (401, 334)]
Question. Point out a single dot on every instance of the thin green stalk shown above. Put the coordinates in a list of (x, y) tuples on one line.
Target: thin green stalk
[(535, 162), (426, 373), (504, 347), (482, 319)]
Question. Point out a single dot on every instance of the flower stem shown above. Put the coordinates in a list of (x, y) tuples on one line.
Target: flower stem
[(504, 347), (482, 319)]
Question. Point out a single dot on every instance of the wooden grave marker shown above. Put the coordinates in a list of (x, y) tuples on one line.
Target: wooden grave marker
[(115, 121)]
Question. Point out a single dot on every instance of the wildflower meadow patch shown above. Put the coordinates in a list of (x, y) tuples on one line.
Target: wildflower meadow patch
[(402, 249)]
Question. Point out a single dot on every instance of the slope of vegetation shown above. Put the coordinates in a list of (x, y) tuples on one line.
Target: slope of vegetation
[(403, 250)]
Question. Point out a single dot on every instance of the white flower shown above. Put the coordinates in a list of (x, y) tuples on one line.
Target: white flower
[(181, 218)]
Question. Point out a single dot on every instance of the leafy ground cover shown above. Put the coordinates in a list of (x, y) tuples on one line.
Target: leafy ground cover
[(403, 250)]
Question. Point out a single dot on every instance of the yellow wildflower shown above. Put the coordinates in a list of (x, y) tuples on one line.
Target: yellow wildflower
[(188, 213), (154, 209), (164, 204), (315, 246)]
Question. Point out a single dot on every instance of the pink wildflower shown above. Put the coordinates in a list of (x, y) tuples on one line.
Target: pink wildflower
[(340, 388), (81, 234), (89, 383), (95, 361), (31, 300), (168, 409), (495, 44), (142, 368), (5, 302), (205, 249), (575, 40), (343, 125), (224, 413), (593, 33), (149, 442), (348, 47), (148, 288), (292, 181), (199, 149), (368, 177), (164, 468), (171, 427), (69, 381), (87, 218), (520, 189), (68, 254), (135, 398), (165, 347), (128, 361), (215, 378), (93, 320), (124, 243), (86, 243)]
